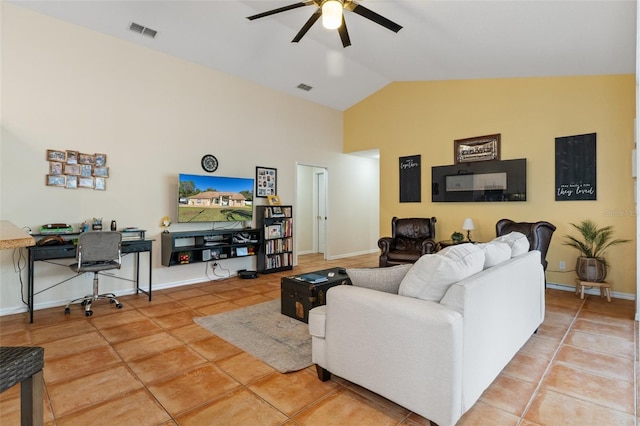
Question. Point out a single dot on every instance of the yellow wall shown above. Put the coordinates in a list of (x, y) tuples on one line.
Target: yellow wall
[(409, 118)]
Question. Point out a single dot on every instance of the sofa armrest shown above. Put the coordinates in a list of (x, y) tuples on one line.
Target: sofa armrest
[(407, 350)]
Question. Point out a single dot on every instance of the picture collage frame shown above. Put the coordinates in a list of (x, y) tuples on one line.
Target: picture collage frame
[(266, 182), (72, 169)]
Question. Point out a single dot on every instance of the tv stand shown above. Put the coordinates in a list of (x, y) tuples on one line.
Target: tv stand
[(182, 248)]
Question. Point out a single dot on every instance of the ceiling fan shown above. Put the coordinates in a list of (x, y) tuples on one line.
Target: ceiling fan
[(332, 17)]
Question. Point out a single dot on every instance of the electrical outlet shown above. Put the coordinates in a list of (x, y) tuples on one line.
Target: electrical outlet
[(562, 265)]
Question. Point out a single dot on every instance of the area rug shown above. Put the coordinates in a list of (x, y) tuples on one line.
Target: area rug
[(262, 331)]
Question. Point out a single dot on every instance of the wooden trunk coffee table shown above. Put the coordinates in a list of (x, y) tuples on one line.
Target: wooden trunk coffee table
[(300, 293)]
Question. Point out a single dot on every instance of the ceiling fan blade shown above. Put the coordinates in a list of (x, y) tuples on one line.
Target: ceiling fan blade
[(280, 9), (344, 34), (372, 16), (312, 20)]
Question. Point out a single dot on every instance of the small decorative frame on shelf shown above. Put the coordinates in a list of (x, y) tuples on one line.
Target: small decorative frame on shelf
[(274, 200), (479, 148), (266, 182)]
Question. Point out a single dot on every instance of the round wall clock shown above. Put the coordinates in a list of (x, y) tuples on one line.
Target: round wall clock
[(209, 163)]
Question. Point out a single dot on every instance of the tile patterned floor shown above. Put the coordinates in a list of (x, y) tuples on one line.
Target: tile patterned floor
[(150, 364)]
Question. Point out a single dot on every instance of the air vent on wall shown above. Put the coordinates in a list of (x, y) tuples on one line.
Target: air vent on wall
[(304, 87), (142, 30)]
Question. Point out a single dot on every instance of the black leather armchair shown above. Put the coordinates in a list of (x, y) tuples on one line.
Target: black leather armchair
[(538, 233), (410, 239)]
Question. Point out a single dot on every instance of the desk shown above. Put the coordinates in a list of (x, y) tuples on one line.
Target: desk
[(68, 251), (13, 237)]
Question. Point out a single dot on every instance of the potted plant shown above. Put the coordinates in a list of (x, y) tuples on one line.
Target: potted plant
[(592, 244), (457, 237)]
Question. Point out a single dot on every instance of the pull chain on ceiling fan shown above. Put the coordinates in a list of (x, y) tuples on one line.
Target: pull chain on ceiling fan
[(332, 17)]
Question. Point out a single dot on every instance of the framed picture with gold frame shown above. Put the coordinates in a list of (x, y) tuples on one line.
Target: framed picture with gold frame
[(479, 148), (54, 155), (72, 182), (274, 200), (56, 180), (86, 182), (100, 184)]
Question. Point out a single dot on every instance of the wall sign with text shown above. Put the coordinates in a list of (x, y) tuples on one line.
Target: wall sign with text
[(410, 185), (576, 167)]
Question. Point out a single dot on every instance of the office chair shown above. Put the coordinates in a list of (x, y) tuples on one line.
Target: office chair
[(97, 251)]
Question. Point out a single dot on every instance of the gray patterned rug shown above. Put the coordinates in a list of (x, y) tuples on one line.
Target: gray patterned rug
[(262, 331)]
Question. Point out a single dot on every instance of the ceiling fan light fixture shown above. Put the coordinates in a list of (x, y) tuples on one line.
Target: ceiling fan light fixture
[(331, 14)]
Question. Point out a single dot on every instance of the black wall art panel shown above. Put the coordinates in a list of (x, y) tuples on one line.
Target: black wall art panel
[(410, 176), (576, 167)]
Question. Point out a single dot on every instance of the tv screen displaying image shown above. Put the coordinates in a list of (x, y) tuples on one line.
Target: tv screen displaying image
[(214, 199)]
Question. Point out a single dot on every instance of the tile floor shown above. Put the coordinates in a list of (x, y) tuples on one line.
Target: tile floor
[(150, 364)]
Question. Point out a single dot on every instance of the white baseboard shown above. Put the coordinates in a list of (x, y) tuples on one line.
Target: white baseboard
[(358, 253), (60, 303), (592, 291)]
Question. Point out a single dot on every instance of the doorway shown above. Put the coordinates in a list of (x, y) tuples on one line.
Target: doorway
[(311, 210)]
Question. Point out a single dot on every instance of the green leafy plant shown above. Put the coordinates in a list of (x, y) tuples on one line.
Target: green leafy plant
[(457, 237), (593, 241)]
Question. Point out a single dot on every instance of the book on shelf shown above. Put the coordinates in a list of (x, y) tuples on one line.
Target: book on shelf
[(312, 278)]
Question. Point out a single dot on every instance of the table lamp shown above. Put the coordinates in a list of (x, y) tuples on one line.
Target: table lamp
[(467, 225)]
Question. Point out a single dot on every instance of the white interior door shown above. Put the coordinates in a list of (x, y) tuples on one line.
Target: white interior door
[(320, 189)]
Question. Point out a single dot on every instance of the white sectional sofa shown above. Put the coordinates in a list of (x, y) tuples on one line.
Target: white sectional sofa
[(433, 354)]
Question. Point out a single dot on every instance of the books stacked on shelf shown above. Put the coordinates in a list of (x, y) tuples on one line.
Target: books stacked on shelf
[(313, 278), (277, 211), (279, 260), (279, 245)]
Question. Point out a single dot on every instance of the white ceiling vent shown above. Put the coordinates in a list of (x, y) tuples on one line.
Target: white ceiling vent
[(304, 87), (142, 30)]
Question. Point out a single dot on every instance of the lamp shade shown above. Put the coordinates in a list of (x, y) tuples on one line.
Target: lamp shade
[(467, 225), (331, 14)]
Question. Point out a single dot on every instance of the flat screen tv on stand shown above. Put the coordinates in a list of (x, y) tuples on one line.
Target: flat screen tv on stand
[(215, 199)]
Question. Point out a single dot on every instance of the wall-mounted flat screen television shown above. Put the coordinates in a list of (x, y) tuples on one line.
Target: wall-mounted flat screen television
[(214, 199)]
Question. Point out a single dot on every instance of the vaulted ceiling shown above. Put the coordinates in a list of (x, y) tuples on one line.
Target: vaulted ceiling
[(440, 40)]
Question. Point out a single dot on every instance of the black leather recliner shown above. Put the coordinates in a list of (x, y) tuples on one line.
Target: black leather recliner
[(538, 233), (410, 239)]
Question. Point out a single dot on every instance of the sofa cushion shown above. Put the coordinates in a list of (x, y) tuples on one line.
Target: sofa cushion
[(517, 241), (495, 252), (432, 275), (381, 279)]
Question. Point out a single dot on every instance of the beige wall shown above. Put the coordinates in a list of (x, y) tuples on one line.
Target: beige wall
[(425, 118), (155, 116)]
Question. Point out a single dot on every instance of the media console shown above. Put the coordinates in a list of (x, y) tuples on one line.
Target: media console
[(181, 248)]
